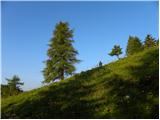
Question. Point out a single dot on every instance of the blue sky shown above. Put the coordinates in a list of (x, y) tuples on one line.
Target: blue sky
[(27, 28)]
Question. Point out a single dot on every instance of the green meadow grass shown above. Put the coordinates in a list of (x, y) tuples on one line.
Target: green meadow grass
[(126, 88)]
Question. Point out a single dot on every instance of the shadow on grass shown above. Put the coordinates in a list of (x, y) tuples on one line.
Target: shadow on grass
[(63, 101), (133, 97), (139, 96)]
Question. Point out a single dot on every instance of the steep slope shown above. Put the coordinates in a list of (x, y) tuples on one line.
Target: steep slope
[(127, 88)]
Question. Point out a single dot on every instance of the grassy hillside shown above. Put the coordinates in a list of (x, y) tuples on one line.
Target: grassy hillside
[(127, 88)]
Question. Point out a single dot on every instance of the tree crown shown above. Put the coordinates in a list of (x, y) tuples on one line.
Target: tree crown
[(116, 50), (134, 45)]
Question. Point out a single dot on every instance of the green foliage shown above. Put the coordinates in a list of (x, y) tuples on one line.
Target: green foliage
[(4, 91), (157, 43), (12, 87), (134, 45), (14, 83), (61, 53), (149, 42), (116, 51), (127, 88)]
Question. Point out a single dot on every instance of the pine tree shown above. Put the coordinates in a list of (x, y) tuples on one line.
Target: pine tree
[(14, 85), (149, 42), (157, 42), (134, 45), (61, 53), (116, 51)]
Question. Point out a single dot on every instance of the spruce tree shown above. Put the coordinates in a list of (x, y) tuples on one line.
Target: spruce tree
[(61, 54), (116, 51), (14, 85), (149, 42), (134, 45)]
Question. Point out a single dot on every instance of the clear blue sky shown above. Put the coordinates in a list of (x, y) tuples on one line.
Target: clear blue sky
[(27, 28)]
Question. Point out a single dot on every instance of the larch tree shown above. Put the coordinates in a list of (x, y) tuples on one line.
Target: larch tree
[(134, 45), (157, 42), (61, 54), (116, 50), (14, 85), (149, 42)]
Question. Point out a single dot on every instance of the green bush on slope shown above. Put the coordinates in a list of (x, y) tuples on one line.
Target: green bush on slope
[(127, 88)]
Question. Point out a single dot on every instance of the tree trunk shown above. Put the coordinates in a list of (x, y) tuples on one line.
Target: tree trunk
[(10, 90), (118, 57)]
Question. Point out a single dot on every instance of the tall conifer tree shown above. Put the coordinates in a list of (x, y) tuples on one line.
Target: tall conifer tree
[(61, 54), (149, 42), (134, 45), (157, 42), (14, 85)]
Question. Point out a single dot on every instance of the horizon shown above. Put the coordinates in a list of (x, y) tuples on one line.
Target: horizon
[(27, 28)]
